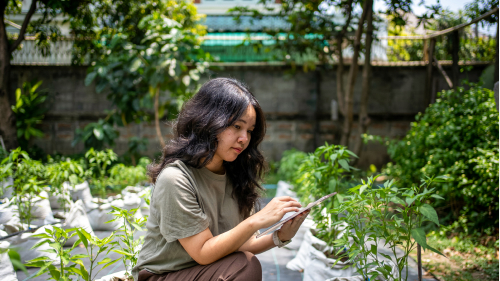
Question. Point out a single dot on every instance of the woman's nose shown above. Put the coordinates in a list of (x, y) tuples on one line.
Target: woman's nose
[(243, 138)]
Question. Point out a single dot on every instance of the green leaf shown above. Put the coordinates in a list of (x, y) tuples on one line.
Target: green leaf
[(85, 274), (40, 243), (344, 164), (397, 200), (90, 77), (374, 249), (437, 196), (332, 185), (17, 264), (123, 253), (83, 238), (429, 212), (98, 133), (410, 200), (333, 157), (352, 153), (362, 188), (135, 65), (435, 251), (419, 235), (110, 263)]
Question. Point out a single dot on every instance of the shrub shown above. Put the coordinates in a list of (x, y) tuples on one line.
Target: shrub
[(289, 163), (456, 136)]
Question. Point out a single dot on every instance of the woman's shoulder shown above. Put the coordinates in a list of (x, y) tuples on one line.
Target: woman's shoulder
[(175, 173)]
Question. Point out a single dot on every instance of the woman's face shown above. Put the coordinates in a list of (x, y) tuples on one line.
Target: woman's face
[(234, 139)]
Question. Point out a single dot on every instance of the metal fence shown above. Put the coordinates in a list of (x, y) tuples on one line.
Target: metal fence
[(238, 47), (57, 53)]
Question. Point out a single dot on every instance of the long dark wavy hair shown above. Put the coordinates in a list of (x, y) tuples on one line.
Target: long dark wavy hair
[(216, 106)]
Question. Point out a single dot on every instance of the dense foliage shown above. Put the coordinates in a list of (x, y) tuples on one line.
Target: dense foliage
[(473, 45), (289, 163), (149, 70), (456, 136)]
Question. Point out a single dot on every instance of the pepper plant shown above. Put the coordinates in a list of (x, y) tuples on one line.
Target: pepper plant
[(386, 216), (66, 170), (121, 175), (29, 177), (325, 171), (68, 264), (129, 246), (99, 161), (56, 238)]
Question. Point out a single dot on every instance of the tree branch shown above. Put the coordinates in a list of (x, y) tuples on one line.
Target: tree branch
[(26, 21)]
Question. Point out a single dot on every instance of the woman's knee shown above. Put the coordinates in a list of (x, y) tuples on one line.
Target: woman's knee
[(251, 268)]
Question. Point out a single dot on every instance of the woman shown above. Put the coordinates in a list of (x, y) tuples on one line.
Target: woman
[(201, 225)]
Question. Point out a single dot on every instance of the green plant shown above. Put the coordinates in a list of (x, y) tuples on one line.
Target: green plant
[(121, 176), (325, 171), (95, 247), (290, 161), (456, 136), (15, 259), (63, 171), (99, 161), (5, 172), (29, 180), (96, 135), (389, 216), (129, 246), (56, 237), (29, 110), (139, 72)]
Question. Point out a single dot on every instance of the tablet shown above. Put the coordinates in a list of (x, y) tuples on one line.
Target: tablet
[(281, 222)]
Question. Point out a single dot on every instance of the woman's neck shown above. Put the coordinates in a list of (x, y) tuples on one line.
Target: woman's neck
[(216, 166)]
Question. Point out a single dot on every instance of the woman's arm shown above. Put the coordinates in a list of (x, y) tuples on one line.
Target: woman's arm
[(204, 248), (287, 232)]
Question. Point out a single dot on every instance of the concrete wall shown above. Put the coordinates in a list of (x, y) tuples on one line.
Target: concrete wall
[(289, 100)]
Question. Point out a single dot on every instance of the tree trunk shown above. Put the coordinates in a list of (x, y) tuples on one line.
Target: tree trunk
[(316, 132), (157, 117), (340, 66), (364, 120), (8, 129), (496, 60), (351, 80)]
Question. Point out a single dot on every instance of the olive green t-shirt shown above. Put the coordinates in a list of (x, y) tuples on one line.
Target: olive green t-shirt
[(184, 202)]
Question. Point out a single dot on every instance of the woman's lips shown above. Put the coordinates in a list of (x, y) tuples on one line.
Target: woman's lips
[(238, 150)]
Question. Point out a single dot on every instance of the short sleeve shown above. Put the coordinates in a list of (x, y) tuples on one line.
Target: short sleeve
[(177, 209)]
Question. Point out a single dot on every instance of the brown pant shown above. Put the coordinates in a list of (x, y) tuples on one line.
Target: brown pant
[(238, 266)]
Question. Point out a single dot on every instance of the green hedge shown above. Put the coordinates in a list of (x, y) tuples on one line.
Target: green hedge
[(456, 136)]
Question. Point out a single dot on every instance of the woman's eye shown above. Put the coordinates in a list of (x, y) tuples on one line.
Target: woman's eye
[(249, 132), (237, 127)]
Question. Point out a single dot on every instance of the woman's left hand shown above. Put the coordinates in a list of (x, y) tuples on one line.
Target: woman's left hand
[(290, 228)]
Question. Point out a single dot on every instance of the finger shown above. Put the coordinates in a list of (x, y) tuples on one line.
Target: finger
[(286, 198), (290, 209), (293, 204)]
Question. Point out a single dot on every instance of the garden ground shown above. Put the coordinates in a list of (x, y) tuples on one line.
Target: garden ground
[(273, 263)]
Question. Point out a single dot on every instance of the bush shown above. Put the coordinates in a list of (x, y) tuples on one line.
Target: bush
[(456, 136), (289, 164)]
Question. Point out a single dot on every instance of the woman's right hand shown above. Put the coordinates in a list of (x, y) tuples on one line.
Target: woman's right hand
[(275, 210)]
